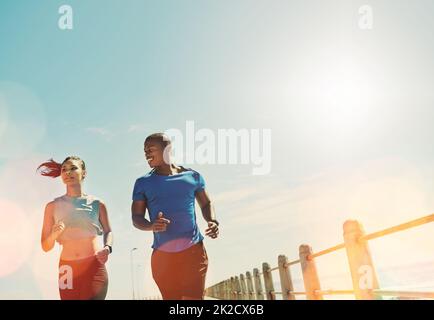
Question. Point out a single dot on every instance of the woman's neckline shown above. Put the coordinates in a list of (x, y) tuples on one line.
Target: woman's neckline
[(76, 197)]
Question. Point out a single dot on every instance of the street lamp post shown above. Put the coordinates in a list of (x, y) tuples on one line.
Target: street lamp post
[(132, 272), (139, 266)]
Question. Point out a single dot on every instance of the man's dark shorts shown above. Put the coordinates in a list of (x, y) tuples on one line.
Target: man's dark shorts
[(181, 275)]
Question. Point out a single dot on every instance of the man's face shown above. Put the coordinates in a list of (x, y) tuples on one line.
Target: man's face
[(154, 153)]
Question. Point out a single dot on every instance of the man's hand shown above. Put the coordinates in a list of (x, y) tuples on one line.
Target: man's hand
[(213, 230), (160, 225)]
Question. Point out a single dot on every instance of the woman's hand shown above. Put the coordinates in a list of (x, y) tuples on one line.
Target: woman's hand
[(160, 225), (102, 255), (212, 230), (57, 229)]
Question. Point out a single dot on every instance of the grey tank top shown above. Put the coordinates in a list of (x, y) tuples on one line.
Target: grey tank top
[(80, 216)]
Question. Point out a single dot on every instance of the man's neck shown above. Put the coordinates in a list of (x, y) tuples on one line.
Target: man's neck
[(168, 170)]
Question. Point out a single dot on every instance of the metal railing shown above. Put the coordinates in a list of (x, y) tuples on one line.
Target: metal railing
[(365, 283)]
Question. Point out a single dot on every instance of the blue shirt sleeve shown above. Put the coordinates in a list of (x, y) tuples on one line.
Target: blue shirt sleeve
[(138, 192), (200, 183)]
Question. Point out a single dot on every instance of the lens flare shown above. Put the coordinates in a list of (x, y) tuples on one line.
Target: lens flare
[(3, 115), (20, 183), (24, 195), (22, 120), (15, 237), (44, 265)]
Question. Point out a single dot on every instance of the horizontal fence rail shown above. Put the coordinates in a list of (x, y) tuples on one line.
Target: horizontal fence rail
[(259, 284)]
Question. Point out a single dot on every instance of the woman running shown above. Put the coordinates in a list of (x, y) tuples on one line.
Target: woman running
[(75, 220)]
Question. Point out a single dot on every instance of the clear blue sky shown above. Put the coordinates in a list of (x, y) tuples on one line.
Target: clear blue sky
[(350, 112)]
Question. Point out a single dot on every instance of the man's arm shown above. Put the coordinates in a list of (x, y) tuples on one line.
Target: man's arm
[(208, 213), (205, 205), (138, 209)]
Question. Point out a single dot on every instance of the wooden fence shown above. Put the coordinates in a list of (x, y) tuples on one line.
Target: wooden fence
[(259, 285)]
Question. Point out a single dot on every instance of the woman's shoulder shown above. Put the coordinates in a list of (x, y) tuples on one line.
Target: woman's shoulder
[(57, 201), (50, 205), (93, 198), (95, 202)]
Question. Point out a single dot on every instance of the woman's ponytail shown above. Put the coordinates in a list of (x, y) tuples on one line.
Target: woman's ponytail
[(50, 168)]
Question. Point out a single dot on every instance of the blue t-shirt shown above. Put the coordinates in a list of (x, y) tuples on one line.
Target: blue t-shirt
[(174, 196)]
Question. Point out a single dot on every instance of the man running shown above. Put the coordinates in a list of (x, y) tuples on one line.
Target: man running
[(179, 260)]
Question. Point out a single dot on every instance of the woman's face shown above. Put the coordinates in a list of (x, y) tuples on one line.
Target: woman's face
[(154, 153), (72, 172)]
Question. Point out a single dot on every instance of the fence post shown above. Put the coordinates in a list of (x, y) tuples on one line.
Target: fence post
[(359, 258), (211, 292), (250, 290), (233, 289), (221, 290), (310, 275), (285, 279), (258, 285), (227, 290), (244, 295), (237, 287), (268, 281)]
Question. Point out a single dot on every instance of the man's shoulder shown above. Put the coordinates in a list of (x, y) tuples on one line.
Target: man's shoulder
[(145, 177), (190, 170), (196, 175)]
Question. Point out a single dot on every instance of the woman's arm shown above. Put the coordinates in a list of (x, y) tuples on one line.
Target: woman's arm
[(102, 255), (50, 231), (105, 223)]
